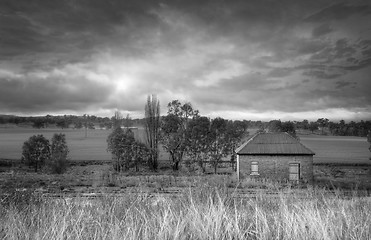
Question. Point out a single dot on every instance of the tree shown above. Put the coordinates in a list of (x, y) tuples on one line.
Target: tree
[(278, 126), (120, 143), (117, 120), (174, 126), (152, 127), (275, 126), (62, 123), (36, 151), (305, 124), (235, 133), (322, 122), (127, 122), (38, 123), (59, 153), (313, 126), (141, 153), (289, 127), (219, 141), (198, 140), (78, 125)]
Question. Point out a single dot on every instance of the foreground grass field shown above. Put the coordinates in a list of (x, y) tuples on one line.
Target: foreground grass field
[(328, 149), (200, 213)]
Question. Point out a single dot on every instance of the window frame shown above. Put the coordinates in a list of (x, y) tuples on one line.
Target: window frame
[(297, 173), (254, 168)]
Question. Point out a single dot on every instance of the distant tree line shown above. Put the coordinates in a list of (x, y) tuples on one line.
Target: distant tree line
[(341, 128), (65, 121), (322, 125)]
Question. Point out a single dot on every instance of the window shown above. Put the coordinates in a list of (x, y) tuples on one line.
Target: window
[(254, 168), (294, 172)]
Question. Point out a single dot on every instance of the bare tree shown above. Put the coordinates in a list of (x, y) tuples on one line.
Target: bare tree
[(152, 127)]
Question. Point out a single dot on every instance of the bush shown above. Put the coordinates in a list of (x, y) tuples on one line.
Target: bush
[(59, 152), (36, 151)]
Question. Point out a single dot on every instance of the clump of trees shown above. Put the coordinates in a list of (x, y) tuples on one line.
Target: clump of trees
[(37, 151), (185, 133), (125, 149), (278, 126)]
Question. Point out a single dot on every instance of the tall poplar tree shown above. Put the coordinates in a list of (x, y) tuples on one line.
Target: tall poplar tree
[(152, 127)]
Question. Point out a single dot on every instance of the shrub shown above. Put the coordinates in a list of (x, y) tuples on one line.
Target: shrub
[(36, 151), (59, 153)]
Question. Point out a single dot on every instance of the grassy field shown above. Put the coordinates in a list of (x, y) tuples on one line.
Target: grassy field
[(337, 149), (200, 213), (91, 148), (94, 147), (328, 149)]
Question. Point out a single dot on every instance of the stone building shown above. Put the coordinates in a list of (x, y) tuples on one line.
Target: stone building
[(276, 156)]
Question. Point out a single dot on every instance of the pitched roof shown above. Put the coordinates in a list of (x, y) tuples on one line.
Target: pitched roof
[(273, 144)]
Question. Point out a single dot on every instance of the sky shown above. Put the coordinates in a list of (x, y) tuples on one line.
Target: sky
[(254, 60)]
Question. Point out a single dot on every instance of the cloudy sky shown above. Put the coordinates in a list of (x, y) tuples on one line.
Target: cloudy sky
[(271, 59)]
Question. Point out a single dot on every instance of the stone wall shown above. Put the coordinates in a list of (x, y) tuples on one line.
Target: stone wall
[(276, 167)]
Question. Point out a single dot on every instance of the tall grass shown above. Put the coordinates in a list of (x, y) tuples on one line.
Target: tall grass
[(200, 213)]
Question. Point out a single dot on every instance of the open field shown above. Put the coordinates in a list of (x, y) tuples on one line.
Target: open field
[(328, 149), (94, 147), (338, 149)]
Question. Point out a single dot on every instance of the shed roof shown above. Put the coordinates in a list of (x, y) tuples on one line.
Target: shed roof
[(273, 144)]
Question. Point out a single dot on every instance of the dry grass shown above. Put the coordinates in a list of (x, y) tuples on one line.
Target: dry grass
[(200, 213)]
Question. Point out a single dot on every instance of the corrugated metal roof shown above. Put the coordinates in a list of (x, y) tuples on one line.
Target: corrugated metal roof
[(273, 144)]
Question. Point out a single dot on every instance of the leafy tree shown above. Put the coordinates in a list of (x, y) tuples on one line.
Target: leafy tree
[(198, 140), (289, 127), (59, 153), (62, 123), (78, 125), (219, 141), (275, 126), (278, 126), (152, 127), (108, 125), (313, 126), (305, 124), (141, 154), (38, 123), (235, 133), (322, 122), (120, 143), (36, 151), (174, 127)]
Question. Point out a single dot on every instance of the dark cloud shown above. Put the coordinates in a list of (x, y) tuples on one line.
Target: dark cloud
[(321, 74), (338, 12), (342, 84), (321, 30)]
